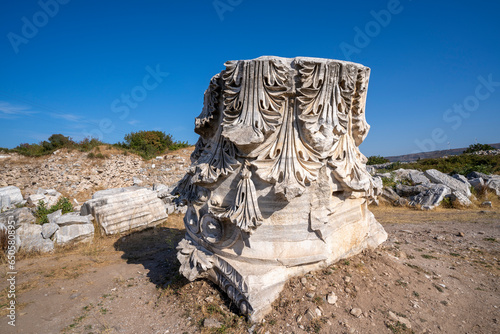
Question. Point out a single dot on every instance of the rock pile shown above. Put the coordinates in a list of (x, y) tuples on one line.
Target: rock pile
[(428, 189)]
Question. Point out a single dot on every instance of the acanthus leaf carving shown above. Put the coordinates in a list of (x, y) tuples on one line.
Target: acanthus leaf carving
[(194, 261), (322, 108), (285, 161), (253, 100), (217, 158), (188, 192), (245, 212)]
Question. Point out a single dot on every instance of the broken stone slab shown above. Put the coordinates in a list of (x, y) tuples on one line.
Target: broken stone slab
[(52, 217), (389, 195), (409, 191), (450, 182), (73, 218), (123, 210), (478, 184), (5, 203), (72, 234), (49, 229), (460, 198), (31, 240), (114, 191), (277, 186), (14, 193), (35, 199), (417, 177), (19, 215), (493, 184), (162, 190), (461, 178), (430, 198)]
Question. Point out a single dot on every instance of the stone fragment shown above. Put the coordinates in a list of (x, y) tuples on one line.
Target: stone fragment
[(19, 215), (418, 177), (35, 199), (31, 239), (14, 194), (356, 312), (478, 184), (487, 204), (493, 184), (52, 217), (5, 202), (277, 186), (460, 198), (331, 298), (72, 234), (49, 229), (123, 210), (211, 323), (450, 182), (430, 198), (390, 195), (408, 191), (73, 218), (402, 320)]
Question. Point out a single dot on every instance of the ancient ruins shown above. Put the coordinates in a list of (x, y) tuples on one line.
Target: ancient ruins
[(277, 186)]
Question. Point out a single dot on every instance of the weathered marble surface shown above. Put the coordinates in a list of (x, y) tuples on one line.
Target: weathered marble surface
[(277, 185)]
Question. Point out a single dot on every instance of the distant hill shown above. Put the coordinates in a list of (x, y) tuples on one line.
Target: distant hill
[(432, 154)]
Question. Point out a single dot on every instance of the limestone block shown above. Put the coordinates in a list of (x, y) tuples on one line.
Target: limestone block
[(52, 217), (35, 199), (14, 194), (452, 183), (418, 177), (49, 229), (431, 198), (19, 215), (277, 186), (73, 218), (72, 234), (126, 209), (31, 240), (459, 197)]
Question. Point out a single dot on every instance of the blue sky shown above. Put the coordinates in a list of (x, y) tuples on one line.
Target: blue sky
[(84, 68)]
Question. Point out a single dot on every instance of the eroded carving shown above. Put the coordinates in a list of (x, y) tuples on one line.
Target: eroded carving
[(277, 181)]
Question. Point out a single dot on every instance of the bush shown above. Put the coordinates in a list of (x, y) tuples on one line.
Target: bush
[(42, 211), (478, 147), (376, 160), (148, 144)]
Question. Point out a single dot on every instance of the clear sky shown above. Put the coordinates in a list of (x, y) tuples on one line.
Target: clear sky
[(107, 68)]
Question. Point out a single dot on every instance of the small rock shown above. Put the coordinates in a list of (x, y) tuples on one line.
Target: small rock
[(310, 294), (331, 298), (347, 279), (461, 234), (487, 204), (211, 323), (303, 280), (356, 312)]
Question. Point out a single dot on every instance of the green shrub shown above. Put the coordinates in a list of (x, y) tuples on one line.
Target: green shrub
[(376, 160), (478, 147), (42, 211), (148, 144)]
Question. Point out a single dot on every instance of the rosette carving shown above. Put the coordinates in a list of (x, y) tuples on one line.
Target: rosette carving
[(253, 100)]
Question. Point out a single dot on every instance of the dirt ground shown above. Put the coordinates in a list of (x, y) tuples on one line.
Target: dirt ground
[(437, 273)]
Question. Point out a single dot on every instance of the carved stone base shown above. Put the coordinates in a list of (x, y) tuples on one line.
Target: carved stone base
[(277, 185)]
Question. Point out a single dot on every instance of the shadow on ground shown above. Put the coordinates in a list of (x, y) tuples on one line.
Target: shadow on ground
[(154, 248)]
